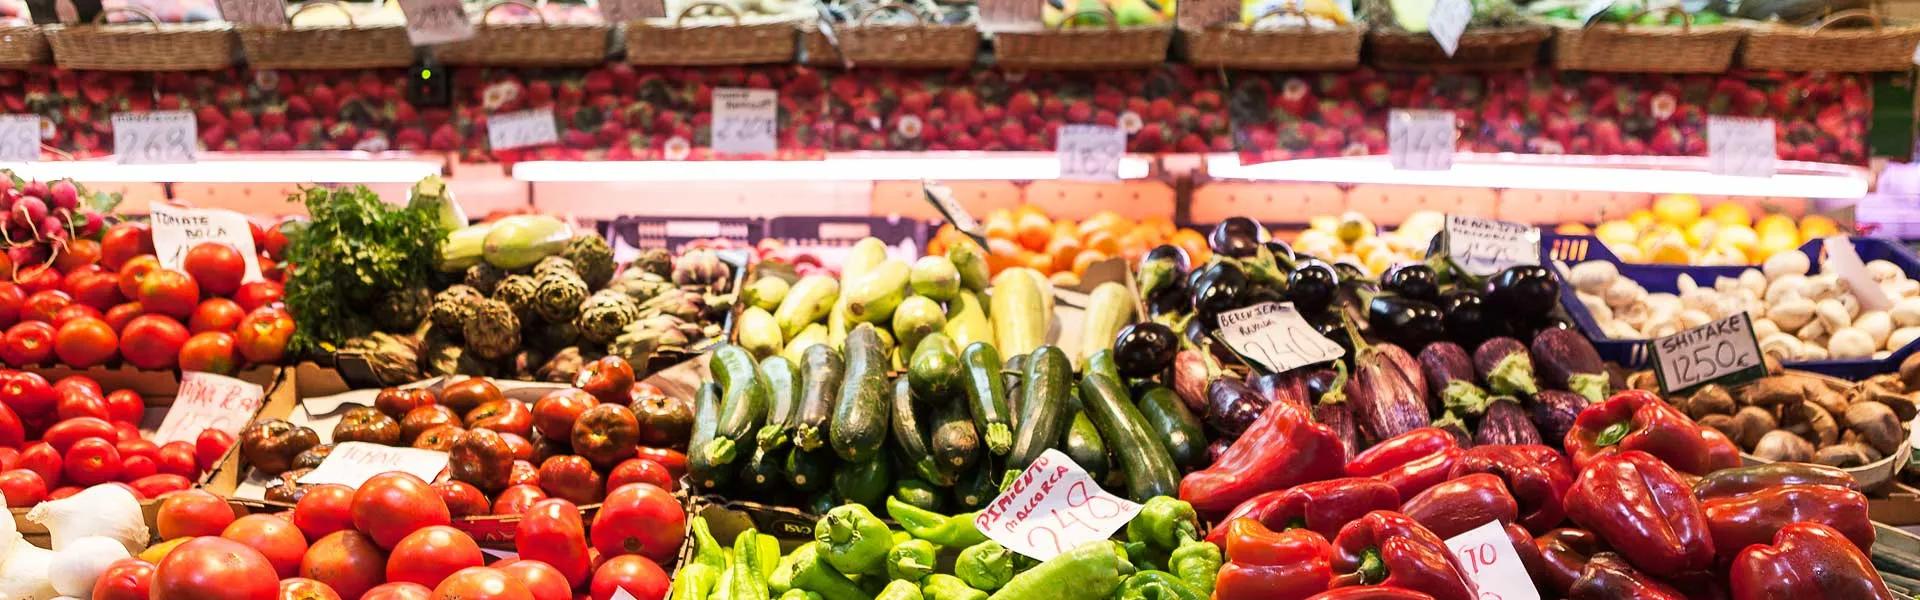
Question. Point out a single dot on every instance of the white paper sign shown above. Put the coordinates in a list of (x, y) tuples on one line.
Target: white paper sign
[(209, 401), (1010, 15), (1420, 140), (353, 463), (1276, 336), (1740, 146), (745, 121), (620, 593), (254, 12), (1722, 350), (1593, 9), (617, 11), (942, 198), (1487, 558), (1487, 246), (436, 21), (1448, 21), (177, 230), (1053, 507), (535, 127), (155, 138), (1090, 152), (19, 138), (1842, 260)]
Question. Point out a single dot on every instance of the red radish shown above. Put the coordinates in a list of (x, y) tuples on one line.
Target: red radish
[(64, 194)]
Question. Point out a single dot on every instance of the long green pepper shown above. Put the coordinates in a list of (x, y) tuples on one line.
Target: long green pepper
[(911, 560), (744, 580), (1197, 562), (985, 566), (900, 589), (956, 531), (940, 586), (853, 540), (1158, 585)]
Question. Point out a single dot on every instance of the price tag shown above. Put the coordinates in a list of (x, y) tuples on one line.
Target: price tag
[(618, 11), (1593, 9), (254, 12), (177, 230), (1740, 146), (432, 22), (941, 197), (353, 463), (1090, 152), (1276, 336), (208, 401), (1420, 140), (745, 121), (1487, 558), (155, 138), (1448, 21), (1053, 507), (19, 138), (1010, 15), (620, 593), (1842, 260), (1723, 351), (506, 131), (1487, 246)]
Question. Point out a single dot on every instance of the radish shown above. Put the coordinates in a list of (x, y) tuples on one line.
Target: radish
[(64, 194), (29, 211), (92, 225)]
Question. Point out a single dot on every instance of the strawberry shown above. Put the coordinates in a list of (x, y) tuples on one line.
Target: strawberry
[(1294, 97), (273, 118), (1206, 100), (961, 101), (278, 141), (209, 116), (1080, 112)]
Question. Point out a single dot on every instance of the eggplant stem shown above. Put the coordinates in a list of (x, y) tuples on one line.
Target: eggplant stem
[(1337, 391)]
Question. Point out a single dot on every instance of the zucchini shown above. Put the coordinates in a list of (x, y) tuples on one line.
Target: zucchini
[(920, 494), (808, 470), (1181, 434), (956, 444), (859, 425), (1083, 445), (985, 396), (743, 403), (1043, 417), (864, 483), (1149, 469), (977, 488), (1012, 374), (820, 375), (764, 470), (967, 321), (1109, 308), (911, 435), (1019, 311), (935, 368), (783, 401), (1101, 363), (701, 469)]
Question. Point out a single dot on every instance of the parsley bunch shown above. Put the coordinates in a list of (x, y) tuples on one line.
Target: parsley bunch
[(355, 250)]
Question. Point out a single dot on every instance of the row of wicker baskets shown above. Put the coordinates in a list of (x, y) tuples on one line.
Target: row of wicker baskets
[(1620, 48)]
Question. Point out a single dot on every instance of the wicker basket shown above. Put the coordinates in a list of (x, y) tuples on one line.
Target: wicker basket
[(23, 46), (153, 46), (1628, 48), (1882, 48), (528, 45), (1490, 49), (698, 45), (350, 47), (922, 45), (1236, 46), (1061, 49)]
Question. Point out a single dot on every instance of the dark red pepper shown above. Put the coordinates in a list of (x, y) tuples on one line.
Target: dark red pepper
[(1537, 476), (1755, 517), (1411, 462), (1727, 483), (1642, 508), (1370, 593), (1807, 561), (1459, 505), (1608, 577), (1266, 565), (1558, 558), (1322, 506), (1640, 420), (1282, 449), (1390, 549)]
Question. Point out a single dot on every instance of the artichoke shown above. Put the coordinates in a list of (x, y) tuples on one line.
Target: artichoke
[(453, 307), (552, 336), (393, 359), (484, 277), (518, 292), (605, 315), (592, 258), (559, 295), (493, 332), (401, 310), (641, 285), (701, 269), (564, 365), (653, 260), (452, 359), (554, 263)]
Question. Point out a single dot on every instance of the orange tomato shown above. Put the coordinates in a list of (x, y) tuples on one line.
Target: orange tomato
[(1105, 220), (1066, 228), (999, 224), (1038, 261), (1085, 259), (1103, 241), (1194, 243), (1033, 230), (1062, 249), (1162, 225), (1002, 253)]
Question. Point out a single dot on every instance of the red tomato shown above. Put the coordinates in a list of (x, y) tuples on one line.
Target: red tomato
[(28, 394), (216, 314), (541, 579), (76, 402), (22, 488), (125, 579), (516, 499), (271, 240), (169, 292), (639, 470), (399, 591), (135, 467), (13, 433), (90, 461), (554, 413), (9, 457), (551, 532), (122, 314), (255, 294), (263, 334), (154, 486), (462, 498), (79, 382), (124, 431), (210, 351), (325, 509), (642, 519), (38, 279), (674, 460), (635, 574), (123, 241), (66, 433), (137, 447), (152, 341), (301, 588), (74, 311), (27, 343), (176, 458), (217, 266), (192, 513), (99, 291), (391, 505), (11, 299), (571, 478), (126, 406), (274, 537), (481, 583), (212, 568), (210, 446), (41, 458), (134, 272), (431, 554), (346, 561), (522, 449), (80, 254), (63, 492), (42, 306)]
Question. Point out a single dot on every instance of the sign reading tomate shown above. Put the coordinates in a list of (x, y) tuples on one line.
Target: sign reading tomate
[(1053, 507)]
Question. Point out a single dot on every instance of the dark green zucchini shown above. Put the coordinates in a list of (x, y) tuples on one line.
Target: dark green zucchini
[(1043, 416), (1014, 375), (1083, 445), (935, 368), (912, 435), (764, 470), (864, 483), (783, 401), (809, 470), (921, 494), (977, 487), (1180, 432), (820, 374), (743, 403), (955, 443), (701, 469), (987, 397), (1101, 362), (859, 425), (1149, 469)]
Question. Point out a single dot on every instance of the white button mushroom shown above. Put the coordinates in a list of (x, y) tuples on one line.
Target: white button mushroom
[(1786, 263)]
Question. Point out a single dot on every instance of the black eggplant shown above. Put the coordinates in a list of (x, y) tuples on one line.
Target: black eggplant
[(1262, 293), (1233, 406), (1405, 321), (1506, 423), (1282, 252), (1564, 360), (1448, 371), (1319, 382), (1161, 267), (1222, 288), (1468, 320), (1412, 280), (1144, 349), (1554, 412), (1334, 328), (1348, 270), (1312, 287), (1504, 365), (1236, 237), (1523, 292), (1171, 299), (1217, 448)]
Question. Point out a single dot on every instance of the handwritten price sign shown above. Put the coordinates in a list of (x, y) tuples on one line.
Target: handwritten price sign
[(617, 11), (209, 401), (155, 138), (745, 121), (1053, 507), (353, 463), (1448, 21), (1740, 146), (506, 131), (1276, 336), (1487, 558), (435, 21), (254, 12), (1487, 246), (1723, 351), (177, 230), (19, 138), (1090, 152), (1420, 140)]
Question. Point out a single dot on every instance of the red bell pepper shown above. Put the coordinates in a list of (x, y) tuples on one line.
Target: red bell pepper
[(1391, 549), (1608, 577), (1264, 564), (1807, 561), (1370, 593), (1640, 420), (1282, 449), (1556, 559), (1322, 506), (1641, 507), (1458, 505), (1537, 476), (1755, 517), (1728, 483), (1411, 462)]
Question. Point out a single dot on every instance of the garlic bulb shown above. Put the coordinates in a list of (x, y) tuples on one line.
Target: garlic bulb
[(105, 510), (77, 566)]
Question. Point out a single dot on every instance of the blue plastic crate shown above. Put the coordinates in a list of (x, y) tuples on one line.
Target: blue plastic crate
[(629, 234), (1637, 354)]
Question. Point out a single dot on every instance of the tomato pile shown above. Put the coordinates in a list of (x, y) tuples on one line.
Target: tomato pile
[(57, 438)]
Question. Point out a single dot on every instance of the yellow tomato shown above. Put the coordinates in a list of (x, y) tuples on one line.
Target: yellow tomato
[(1325, 223), (1354, 227), (1573, 229), (1776, 222), (1700, 231), (1677, 209), (1735, 237), (1378, 262), (1617, 233), (1730, 213), (1640, 217), (1774, 242), (999, 224), (1817, 226)]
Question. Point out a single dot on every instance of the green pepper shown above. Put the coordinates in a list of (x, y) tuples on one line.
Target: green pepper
[(706, 550), (1091, 571), (985, 566), (1163, 523), (955, 531), (940, 586), (1143, 557), (912, 559), (812, 573), (853, 540), (766, 551), (1198, 563), (782, 578), (919, 493), (693, 582), (798, 594), (1158, 585), (900, 590), (743, 578)]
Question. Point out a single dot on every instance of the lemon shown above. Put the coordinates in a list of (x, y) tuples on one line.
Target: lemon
[(1573, 229), (1627, 254), (1700, 231), (1617, 233), (1817, 226), (1735, 237), (1325, 223), (1776, 222), (1354, 227), (1640, 217), (1378, 262), (1677, 209), (157, 552), (1730, 213), (1669, 252), (1774, 242)]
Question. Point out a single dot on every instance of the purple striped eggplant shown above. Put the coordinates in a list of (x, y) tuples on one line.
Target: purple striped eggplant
[(1452, 424), (1233, 406), (1565, 360), (1388, 395), (1289, 387), (1193, 370), (1506, 423), (1328, 387), (1448, 372), (1554, 411), (1503, 364)]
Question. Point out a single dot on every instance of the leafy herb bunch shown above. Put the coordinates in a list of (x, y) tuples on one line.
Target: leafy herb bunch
[(355, 250)]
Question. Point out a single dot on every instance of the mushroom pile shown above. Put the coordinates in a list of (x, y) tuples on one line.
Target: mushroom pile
[(1798, 417)]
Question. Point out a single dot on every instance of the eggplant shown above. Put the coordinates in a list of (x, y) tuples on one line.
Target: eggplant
[(1554, 412), (1523, 292), (1407, 364), (1262, 293), (1162, 267), (1171, 299), (1503, 364), (1330, 406), (1448, 371), (1289, 387), (1564, 360), (1312, 287), (1386, 399), (1347, 269), (1192, 369), (1319, 382), (1412, 280), (1144, 349), (1405, 321), (1233, 406), (1217, 448), (1506, 423), (1282, 252), (1467, 319), (1334, 328), (1451, 423), (1220, 289), (1236, 237)]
